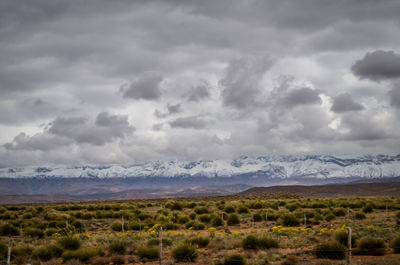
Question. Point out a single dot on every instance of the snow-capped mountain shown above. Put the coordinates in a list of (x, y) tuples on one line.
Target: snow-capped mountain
[(271, 167)]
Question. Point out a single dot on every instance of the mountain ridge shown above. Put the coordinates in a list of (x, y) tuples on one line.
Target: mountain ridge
[(318, 166)]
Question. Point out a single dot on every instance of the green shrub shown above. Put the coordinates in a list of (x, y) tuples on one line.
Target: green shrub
[(267, 243), (183, 219), (156, 241), (8, 230), (136, 226), (176, 206), (117, 226), (235, 259), (340, 212), (70, 242), (117, 247), (292, 207), (289, 220), (22, 251), (251, 242), (229, 209), (195, 225), (185, 253), (257, 217), (330, 217), (333, 250), (3, 250), (396, 245), (84, 254), (200, 241), (147, 252), (368, 208), (205, 218), (233, 219), (371, 246), (192, 216), (51, 231), (27, 216), (87, 216), (256, 205), (33, 232), (360, 216), (243, 209), (217, 221), (201, 210), (342, 237), (48, 252)]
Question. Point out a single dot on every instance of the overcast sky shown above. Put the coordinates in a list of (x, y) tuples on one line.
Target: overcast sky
[(104, 82)]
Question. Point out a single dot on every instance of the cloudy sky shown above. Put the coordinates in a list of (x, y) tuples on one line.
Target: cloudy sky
[(104, 82)]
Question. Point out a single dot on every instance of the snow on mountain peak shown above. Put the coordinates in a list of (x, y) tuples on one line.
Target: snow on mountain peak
[(316, 166)]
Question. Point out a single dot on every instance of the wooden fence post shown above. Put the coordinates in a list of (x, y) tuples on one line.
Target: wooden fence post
[(9, 251), (348, 246), (160, 245)]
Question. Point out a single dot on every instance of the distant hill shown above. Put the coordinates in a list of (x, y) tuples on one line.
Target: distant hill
[(336, 190)]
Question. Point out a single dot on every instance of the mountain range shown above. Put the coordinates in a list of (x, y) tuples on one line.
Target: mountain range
[(202, 177)]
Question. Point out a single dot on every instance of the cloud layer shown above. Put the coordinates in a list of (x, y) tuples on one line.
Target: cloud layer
[(129, 81)]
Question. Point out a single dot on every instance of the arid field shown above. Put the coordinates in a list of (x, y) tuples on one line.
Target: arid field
[(236, 229)]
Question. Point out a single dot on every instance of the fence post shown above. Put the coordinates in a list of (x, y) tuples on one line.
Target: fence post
[(123, 228), (9, 251), (160, 245), (348, 246)]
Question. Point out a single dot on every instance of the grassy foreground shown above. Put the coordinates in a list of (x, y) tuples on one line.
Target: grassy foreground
[(247, 229)]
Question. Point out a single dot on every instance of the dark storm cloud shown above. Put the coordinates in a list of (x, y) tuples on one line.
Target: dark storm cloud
[(40, 141), (106, 128), (146, 86), (301, 96), (241, 82), (170, 110), (78, 130), (344, 102), (105, 119), (199, 93), (394, 95), (378, 65), (190, 122), (365, 128)]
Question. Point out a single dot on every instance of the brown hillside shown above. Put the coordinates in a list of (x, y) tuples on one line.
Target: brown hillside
[(339, 190)]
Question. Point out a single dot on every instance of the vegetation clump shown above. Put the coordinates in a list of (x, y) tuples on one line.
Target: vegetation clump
[(70, 242), (396, 245), (289, 220), (334, 250), (117, 247), (252, 242), (84, 254), (185, 253), (233, 219), (200, 241), (147, 252), (371, 246)]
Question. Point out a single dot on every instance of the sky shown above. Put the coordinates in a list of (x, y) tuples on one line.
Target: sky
[(122, 82)]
